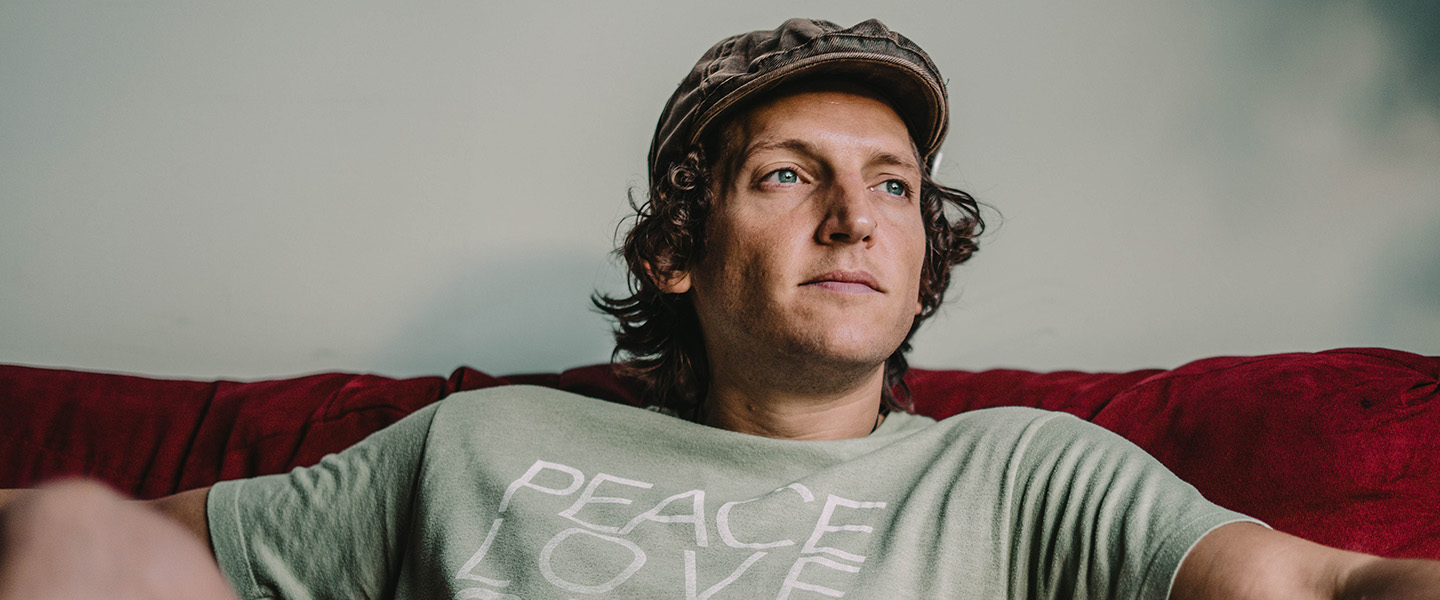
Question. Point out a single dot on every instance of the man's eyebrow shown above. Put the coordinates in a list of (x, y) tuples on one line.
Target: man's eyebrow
[(886, 158), (791, 144), (806, 148)]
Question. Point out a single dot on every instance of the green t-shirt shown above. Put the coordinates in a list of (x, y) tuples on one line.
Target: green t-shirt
[(523, 492)]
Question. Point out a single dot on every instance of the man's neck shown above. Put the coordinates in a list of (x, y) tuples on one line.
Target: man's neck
[(796, 415)]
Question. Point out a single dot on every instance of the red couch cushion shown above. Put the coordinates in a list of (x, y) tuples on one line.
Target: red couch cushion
[(1336, 446), (152, 437)]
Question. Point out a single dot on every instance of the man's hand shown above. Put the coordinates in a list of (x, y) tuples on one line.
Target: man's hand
[(81, 540), (1245, 561)]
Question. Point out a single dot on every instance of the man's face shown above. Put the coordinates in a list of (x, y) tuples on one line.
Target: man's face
[(814, 246)]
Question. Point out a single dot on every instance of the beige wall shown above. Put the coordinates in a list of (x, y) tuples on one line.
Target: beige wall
[(262, 189)]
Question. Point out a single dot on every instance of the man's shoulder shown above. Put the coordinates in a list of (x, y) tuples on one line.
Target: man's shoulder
[(517, 393), (1005, 417), (1024, 429), (530, 401), (532, 406)]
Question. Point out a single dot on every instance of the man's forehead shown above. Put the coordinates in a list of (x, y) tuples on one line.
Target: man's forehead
[(794, 119)]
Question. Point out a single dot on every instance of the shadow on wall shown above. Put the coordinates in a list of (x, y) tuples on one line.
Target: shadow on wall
[(1416, 28), (511, 315), (1410, 269)]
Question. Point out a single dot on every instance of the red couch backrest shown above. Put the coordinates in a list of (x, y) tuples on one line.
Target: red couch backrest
[(1342, 447)]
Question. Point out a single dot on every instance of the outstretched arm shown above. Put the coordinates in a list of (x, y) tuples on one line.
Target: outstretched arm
[(1245, 561), (78, 539), (10, 496), (186, 508)]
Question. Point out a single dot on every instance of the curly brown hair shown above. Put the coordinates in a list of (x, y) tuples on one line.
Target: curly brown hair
[(658, 340)]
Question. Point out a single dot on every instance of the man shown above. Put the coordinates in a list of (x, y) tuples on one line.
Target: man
[(791, 244)]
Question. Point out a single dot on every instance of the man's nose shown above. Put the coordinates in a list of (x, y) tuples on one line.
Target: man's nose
[(849, 214)]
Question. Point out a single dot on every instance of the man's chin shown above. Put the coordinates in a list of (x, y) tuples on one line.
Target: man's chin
[(841, 358)]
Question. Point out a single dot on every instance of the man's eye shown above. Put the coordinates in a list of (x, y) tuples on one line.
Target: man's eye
[(783, 176), (894, 187)]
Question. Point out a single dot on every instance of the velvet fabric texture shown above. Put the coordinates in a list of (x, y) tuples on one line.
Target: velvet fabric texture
[(1341, 447)]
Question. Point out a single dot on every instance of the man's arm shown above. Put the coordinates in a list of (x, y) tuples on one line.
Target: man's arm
[(9, 496), (1245, 561), (188, 509), (185, 508), (78, 539)]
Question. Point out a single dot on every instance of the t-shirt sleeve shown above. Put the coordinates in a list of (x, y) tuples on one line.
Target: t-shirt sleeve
[(1100, 518), (333, 530)]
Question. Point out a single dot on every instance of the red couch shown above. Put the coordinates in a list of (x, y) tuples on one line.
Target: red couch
[(1341, 447)]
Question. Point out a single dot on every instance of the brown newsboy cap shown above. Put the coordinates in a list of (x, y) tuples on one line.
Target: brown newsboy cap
[(744, 66)]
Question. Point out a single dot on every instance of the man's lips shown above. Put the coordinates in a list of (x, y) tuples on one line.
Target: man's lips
[(850, 282)]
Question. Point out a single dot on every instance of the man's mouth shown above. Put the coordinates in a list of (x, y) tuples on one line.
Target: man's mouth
[(846, 282)]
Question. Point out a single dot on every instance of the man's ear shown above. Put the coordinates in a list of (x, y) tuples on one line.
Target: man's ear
[(677, 281), (919, 308)]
